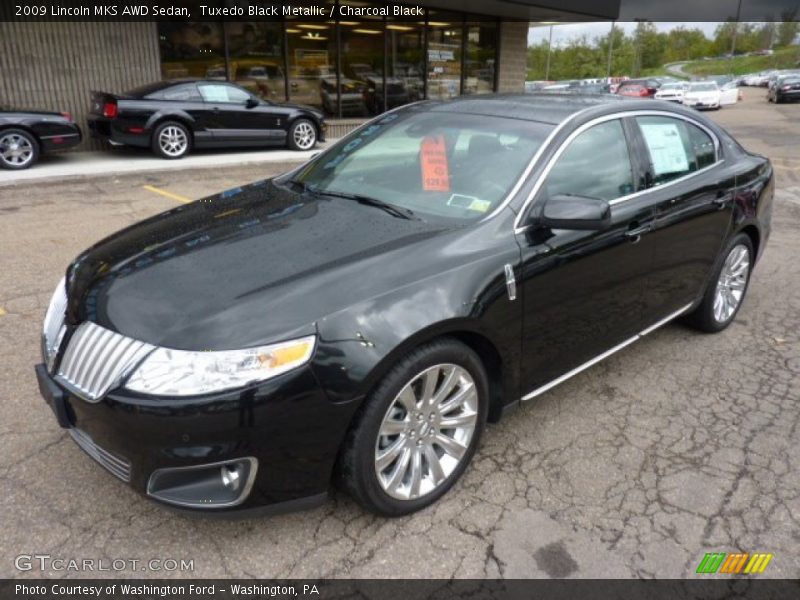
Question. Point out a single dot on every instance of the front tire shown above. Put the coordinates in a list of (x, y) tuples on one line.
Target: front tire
[(727, 288), (302, 135), (171, 140), (417, 431), (18, 149)]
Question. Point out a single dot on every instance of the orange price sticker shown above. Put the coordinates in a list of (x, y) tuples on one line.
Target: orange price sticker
[(435, 172)]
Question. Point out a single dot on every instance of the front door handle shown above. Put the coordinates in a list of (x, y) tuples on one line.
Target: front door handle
[(636, 231)]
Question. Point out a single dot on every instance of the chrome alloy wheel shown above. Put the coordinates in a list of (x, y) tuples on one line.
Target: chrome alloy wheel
[(173, 141), (16, 150), (732, 283), (426, 431), (304, 135)]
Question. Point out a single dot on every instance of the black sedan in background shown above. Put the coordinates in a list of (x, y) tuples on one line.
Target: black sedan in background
[(25, 134), (360, 318), (785, 89), (172, 117)]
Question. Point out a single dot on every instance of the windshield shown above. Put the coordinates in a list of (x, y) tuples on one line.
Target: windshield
[(672, 86), (704, 87), (439, 164)]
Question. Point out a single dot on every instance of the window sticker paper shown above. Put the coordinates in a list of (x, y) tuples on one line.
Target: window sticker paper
[(433, 158), (666, 148)]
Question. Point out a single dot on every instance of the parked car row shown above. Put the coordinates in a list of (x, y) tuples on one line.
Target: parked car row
[(170, 118), (785, 87)]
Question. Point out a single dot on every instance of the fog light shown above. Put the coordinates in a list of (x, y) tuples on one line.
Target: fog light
[(231, 477), (213, 485)]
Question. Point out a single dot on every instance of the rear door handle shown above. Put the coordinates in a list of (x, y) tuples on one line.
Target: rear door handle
[(636, 231), (722, 199)]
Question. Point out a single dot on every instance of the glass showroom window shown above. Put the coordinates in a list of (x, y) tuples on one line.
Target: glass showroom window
[(406, 62), (312, 60), (255, 58), (192, 50), (481, 58), (361, 77), (444, 56)]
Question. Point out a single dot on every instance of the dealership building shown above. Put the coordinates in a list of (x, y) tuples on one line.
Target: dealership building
[(353, 66)]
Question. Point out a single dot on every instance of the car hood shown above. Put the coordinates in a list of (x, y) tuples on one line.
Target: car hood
[(245, 267), (303, 107)]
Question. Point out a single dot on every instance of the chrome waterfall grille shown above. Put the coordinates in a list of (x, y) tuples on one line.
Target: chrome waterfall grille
[(115, 464), (96, 359)]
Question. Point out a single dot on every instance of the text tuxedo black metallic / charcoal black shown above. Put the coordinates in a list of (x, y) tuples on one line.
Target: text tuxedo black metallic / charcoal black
[(361, 317)]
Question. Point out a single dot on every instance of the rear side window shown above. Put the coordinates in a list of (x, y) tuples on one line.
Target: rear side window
[(677, 148), (596, 164), (185, 92)]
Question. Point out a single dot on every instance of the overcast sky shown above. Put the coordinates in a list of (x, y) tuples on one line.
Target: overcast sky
[(569, 31)]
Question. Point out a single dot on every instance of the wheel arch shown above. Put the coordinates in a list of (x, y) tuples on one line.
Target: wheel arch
[(24, 128), (183, 119), (499, 372), (310, 118), (751, 230)]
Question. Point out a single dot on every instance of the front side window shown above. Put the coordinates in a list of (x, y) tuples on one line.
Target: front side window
[(223, 93), (595, 164), (437, 164), (676, 147)]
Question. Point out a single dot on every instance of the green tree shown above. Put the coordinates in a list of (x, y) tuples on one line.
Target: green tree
[(788, 28), (686, 44)]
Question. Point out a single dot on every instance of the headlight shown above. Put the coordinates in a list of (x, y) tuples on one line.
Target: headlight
[(182, 373), (53, 329)]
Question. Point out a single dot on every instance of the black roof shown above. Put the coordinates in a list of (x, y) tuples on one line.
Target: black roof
[(546, 107)]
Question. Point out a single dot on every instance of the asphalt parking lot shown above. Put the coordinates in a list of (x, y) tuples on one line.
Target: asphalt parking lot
[(679, 445)]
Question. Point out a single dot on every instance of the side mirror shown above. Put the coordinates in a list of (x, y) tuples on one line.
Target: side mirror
[(251, 102), (565, 211)]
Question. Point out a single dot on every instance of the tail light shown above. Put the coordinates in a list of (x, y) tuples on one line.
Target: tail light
[(67, 116), (110, 110)]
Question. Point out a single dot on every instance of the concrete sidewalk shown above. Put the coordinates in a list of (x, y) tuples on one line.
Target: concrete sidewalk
[(133, 160)]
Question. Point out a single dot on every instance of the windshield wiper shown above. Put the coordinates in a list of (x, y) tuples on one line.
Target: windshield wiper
[(397, 211), (304, 187)]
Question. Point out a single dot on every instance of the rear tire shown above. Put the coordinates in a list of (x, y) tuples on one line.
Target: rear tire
[(727, 287), (171, 140), (417, 431), (18, 149)]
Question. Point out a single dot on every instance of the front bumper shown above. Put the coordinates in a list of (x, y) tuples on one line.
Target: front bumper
[(700, 104), (288, 424)]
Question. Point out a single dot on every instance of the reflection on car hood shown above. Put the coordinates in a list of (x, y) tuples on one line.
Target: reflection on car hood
[(241, 268), (305, 107)]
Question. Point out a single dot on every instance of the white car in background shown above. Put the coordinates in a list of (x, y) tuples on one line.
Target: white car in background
[(703, 94), (672, 91), (729, 93)]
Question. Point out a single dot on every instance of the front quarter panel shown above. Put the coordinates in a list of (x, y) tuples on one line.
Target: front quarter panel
[(359, 345)]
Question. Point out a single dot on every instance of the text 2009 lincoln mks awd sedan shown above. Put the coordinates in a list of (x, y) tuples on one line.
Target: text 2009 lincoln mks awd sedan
[(360, 318)]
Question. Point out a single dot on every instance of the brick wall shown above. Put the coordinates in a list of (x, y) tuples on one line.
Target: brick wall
[(513, 56)]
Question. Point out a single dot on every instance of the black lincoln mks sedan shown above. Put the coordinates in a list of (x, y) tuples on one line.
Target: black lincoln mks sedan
[(172, 117), (26, 134), (360, 318)]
